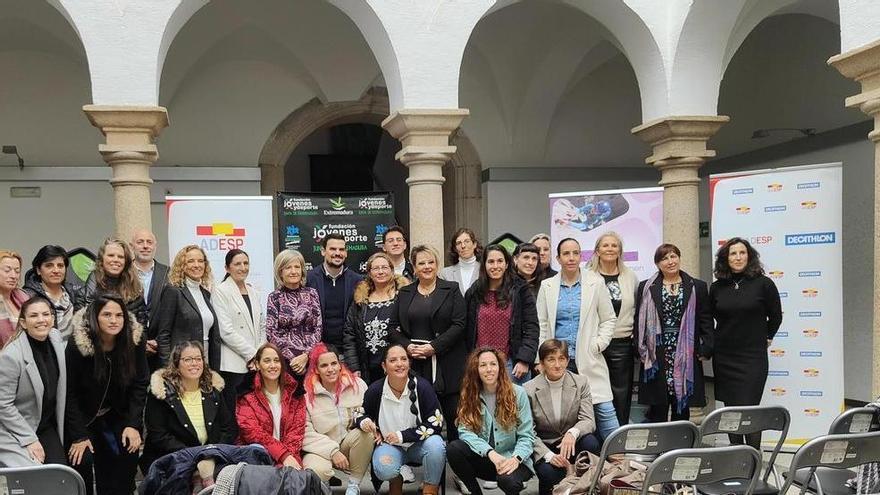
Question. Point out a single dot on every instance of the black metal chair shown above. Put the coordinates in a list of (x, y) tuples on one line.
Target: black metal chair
[(829, 481), (706, 466), (647, 439), (839, 452), (50, 479), (743, 420)]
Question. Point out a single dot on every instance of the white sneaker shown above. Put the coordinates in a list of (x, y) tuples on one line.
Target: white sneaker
[(490, 485), (460, 485), (407, 474)]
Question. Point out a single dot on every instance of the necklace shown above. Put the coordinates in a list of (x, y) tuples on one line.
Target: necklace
[(426, 292), (672, 287)]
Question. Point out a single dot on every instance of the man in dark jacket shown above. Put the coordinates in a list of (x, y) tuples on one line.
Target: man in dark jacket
[(394, 244), (154, 278), (335, 284)]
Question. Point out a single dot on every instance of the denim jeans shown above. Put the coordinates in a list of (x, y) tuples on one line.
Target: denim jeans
[(518, 381), (430, 453), (606, 419)]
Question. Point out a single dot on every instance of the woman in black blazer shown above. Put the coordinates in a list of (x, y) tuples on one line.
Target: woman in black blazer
[(501, 313), (186, 383), (185, 310), (431, 317), (672, 320)]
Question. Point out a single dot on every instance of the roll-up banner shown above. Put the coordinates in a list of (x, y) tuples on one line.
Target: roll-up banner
[(220, 223), (793, 218), (635, 214), (362, 218)]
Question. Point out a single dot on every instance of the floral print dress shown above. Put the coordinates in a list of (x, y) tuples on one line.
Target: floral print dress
[(671, 311)]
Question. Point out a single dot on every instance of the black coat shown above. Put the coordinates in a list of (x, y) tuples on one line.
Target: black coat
[(179, 320), (90, 291), (86, 395), (524, 330), (168, 426), (447, 324), (157, 286), (654, 392), (173, 473)]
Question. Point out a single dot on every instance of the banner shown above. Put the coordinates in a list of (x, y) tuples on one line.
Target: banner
[(793, 218), (362, 218), (635, 214), (221, 223)]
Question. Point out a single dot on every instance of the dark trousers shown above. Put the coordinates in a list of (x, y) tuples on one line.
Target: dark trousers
[(470, 466), (230, 394), (550, 475), (114, 467), (752, 439), (449, 404), (620, 360), (661, 413), (51, 443)]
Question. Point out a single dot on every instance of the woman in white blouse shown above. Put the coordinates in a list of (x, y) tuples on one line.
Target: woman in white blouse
[(464, 253)]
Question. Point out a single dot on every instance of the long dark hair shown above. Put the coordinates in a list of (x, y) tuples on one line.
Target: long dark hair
[(453, 254), (754, 267), (410, 379), (508, 280), (121, 358), (230, 255)]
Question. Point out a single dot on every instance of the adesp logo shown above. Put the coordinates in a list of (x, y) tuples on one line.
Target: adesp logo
[(811, 411), (777, 352), (810, 292), (808, 205), (811, 372), (778, 391), (775, 187), (810, 333), (743, 210), (777, 274), (810, 238), (220, 236)]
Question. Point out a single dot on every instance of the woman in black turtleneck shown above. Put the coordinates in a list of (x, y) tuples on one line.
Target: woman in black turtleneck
[(33, 390), (748, 312)]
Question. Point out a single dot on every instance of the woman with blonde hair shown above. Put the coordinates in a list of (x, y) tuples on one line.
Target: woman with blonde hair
[(293, 313), (621, 282), (367, 325), (495, 426), (11, 296), (185, 309), (115, 273)]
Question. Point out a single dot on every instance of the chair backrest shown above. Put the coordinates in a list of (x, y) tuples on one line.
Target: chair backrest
[(705, 465), (835, 451), (647, 439), (51, 479), (743, 420), (856, 420)]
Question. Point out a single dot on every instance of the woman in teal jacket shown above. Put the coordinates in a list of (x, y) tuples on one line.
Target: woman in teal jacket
[(495, 427)]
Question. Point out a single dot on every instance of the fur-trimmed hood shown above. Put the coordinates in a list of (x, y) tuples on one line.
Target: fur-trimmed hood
[(160, 387), (362, 290), (81, 332)]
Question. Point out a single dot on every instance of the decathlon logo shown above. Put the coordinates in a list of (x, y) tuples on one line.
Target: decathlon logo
[(810, 238), (783, 295), (811, 354), (811, 393), (777, 373), (810, 273), (743, 210), (775, 187), (743, 190), (775, 208), (780, 335), (809, 185), (810, 314)]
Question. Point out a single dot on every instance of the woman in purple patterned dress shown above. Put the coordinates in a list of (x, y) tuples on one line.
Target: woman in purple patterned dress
[(293, 314)]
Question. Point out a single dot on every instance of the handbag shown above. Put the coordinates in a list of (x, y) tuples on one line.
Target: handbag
[(619, 476)]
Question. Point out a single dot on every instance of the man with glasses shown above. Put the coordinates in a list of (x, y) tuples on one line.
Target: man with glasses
[(394, 245)]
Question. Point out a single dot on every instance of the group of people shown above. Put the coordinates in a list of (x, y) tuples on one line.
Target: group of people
[(496, 364)]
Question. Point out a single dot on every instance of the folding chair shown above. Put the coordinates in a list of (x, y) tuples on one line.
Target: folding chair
[(647, 439), (50, 479), (743, 420), (706, 466), (830, 481), (840, 452)]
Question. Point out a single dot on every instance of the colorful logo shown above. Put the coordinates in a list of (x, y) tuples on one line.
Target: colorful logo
[(778, 391), (776, 274), (808, 205), (220, 236), (811, 411), (811, 333), (380, 235), (337, 204), (743, 210), (811, 372), (220, 228), (810, 292), (775, 187), (777, 352), (810, 238), (292, 239)]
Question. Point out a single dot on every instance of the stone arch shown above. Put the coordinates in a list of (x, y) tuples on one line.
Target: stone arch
[(462, 190)]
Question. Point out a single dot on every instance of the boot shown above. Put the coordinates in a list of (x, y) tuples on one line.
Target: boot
[(430, 489), (395, 486)]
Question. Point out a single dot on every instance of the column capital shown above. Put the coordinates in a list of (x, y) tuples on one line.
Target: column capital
[(862, 65), (680, 136), (424, 131), (127, 126)]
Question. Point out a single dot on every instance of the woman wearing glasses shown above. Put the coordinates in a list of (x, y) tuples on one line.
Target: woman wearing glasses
[(185, 407), (464, 253)]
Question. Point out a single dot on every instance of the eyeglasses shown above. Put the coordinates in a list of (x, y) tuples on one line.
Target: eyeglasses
[(464, 242), (380, 269), (191, 360)]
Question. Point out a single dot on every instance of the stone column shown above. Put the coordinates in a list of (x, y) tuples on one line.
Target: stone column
[(679, 150), (130, 151), (424, 134), (863, 65)]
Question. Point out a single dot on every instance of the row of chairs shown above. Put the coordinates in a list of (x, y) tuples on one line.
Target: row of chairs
[(821, 466)]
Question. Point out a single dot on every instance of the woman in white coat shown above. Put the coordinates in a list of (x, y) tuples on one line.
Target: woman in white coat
[(242, 323), (33, 390), (574, 306)]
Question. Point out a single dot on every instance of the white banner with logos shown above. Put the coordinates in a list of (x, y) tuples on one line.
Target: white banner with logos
[(793, 217), (635, 214), (220, 223)]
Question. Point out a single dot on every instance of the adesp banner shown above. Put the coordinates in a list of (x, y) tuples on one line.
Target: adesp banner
[(635, 214), (220, 223), (793, 218)]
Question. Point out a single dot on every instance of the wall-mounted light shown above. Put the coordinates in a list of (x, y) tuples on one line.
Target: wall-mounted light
[(762, 133), (11, 149)]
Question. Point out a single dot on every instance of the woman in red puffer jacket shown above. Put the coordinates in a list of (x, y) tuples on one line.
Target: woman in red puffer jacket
[(270, 414)]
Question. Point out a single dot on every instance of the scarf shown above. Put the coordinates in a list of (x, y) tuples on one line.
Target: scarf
[(650, 329)]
